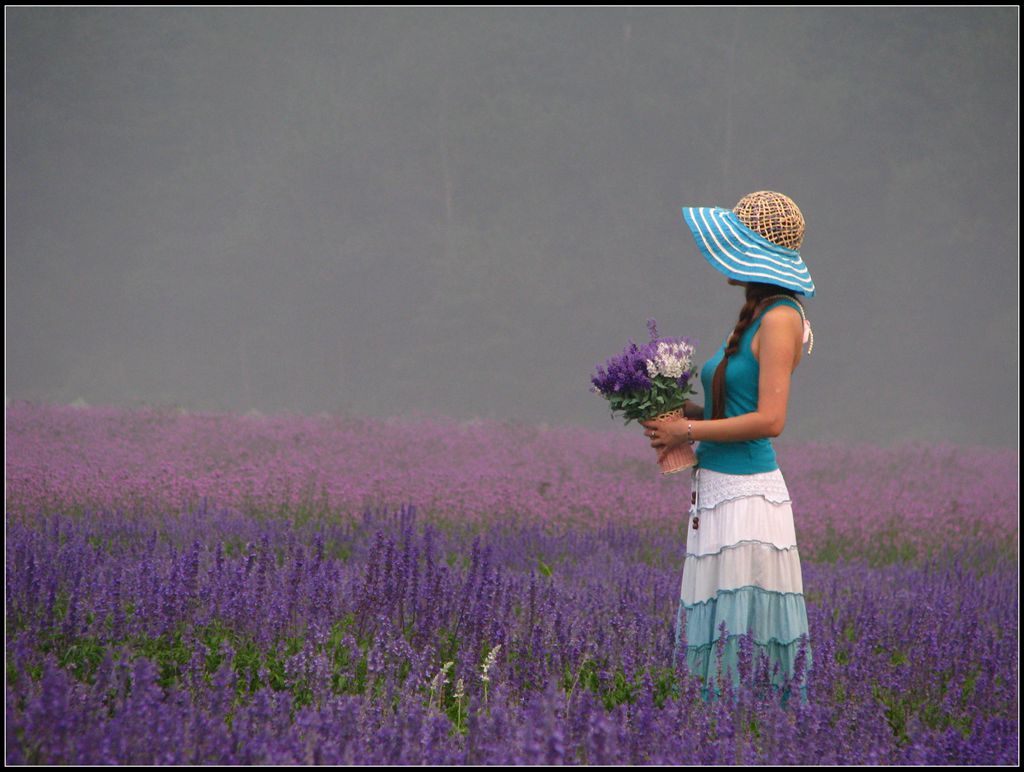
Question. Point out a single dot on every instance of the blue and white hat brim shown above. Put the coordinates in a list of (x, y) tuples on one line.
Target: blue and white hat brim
[(745, 255)]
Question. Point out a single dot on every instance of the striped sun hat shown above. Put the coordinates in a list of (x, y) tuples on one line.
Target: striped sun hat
[(757, 241)]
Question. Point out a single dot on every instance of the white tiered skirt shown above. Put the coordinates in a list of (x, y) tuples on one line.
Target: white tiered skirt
[(742, 567)]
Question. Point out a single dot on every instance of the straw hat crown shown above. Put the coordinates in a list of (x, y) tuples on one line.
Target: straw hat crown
[(774, 216)]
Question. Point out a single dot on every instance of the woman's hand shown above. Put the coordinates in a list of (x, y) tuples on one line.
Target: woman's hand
[(665, 435)]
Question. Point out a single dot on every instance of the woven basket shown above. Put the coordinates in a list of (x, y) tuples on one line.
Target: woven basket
[(681, 457)]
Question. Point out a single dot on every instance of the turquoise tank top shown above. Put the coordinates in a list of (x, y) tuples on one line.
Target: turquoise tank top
[(741, 388)]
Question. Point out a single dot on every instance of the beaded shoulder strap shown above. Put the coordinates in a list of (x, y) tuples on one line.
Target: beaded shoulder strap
[(808, 334)]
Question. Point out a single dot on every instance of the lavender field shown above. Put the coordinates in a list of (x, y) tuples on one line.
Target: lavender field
[(188, 588)]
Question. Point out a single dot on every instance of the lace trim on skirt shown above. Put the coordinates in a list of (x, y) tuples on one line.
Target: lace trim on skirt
[(715, 487)]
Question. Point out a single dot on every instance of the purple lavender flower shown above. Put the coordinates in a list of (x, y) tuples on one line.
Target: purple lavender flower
[(271, 666)]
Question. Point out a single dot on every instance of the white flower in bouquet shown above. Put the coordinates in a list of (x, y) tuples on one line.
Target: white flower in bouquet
[(671, 359)]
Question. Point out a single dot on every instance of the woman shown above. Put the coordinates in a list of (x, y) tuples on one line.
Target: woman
[(742, 566)]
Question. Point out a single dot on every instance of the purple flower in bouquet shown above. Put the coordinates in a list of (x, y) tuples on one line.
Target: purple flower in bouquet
[(625, 372)]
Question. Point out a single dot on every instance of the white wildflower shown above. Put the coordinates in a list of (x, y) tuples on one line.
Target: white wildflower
[(489, 663), (441, 678)]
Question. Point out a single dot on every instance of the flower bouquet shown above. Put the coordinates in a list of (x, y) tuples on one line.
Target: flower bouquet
[(651, 382)]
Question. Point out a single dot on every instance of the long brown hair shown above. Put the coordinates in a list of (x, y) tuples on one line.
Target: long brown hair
[(756, 294)]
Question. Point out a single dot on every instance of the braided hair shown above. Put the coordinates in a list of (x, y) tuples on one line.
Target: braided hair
[(756, 295)]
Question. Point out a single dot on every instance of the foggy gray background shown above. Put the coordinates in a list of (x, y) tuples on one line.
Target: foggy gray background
[(383, 211)]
